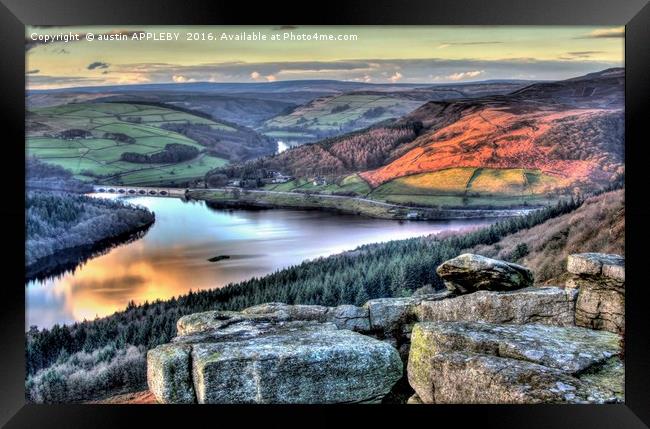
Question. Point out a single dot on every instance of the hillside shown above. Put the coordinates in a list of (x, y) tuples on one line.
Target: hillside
[(597, 226), (530, 147), (332, 115), (334, 157), (361, 108), (136, 143), (248, 110), (283, 86), (570, 132)]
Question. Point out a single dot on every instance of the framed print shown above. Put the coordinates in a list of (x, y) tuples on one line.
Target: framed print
[(415, 209)]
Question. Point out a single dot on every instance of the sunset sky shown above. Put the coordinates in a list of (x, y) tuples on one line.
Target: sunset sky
[(433, 54)]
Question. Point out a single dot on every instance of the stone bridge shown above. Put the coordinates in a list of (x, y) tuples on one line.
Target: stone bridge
[(140, 190)]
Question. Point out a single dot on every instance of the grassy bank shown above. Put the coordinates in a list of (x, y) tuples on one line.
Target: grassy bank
[(296, 200), (597, 226), (252, 199)]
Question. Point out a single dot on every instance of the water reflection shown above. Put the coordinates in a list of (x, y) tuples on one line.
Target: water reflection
[(172, 257)]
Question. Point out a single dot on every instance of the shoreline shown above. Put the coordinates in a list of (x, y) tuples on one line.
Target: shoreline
[(262, 200), (66, 259)]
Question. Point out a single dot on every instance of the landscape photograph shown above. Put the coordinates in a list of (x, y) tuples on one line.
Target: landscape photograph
[(325, 214)]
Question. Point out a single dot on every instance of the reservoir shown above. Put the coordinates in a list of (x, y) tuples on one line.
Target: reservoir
[(173, 256)]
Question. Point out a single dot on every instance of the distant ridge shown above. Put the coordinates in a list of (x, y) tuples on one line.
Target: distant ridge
[(318, 85), (235, 87)]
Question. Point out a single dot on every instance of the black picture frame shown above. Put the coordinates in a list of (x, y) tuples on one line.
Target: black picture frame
[(15, 14)]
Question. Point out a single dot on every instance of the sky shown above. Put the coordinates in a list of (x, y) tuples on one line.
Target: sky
[(374, 54)]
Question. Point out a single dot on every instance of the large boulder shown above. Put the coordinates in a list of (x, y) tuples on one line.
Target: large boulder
[(608, 266), (169, 374), (546, 305), (469, 362), (350, 317), (344, 316), (223, 357), (467, 378), (426, 291), (469, 273), (289, 312), (391, 314), (600, 281), (388, 314)]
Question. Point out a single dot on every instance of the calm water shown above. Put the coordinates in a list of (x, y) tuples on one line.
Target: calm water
[(172, 257)]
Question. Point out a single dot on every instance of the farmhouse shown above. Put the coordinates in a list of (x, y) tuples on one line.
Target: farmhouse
[(319, 181)]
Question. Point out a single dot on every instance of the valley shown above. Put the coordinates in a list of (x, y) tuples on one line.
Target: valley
[(373, 208), (531, 147), (323, 193), (114, 143), (493, 145)]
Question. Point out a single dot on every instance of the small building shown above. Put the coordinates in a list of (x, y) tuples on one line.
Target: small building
[(320, 181), (280, 178)]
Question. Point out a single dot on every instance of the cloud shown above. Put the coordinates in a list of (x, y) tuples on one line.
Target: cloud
[(605, 33), (39, 81), (448, 44), (257, 76), (131, 78), (97, 65), (579, 55), (583, 53), (182, 79), (367, 70), (35, 71), (395, 77), (465, 75)]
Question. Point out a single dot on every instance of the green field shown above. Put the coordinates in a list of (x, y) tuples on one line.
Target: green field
[(449, 188), (334, 114), (470, 187), (97, 158)]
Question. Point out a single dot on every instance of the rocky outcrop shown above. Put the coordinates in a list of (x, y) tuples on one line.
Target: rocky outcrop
[(344, 316), (261, 357), (597, 264), (390, 314), (469, 273), (546, 305), (469, 362), (501, 343), (169, 374), (600, 281)]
